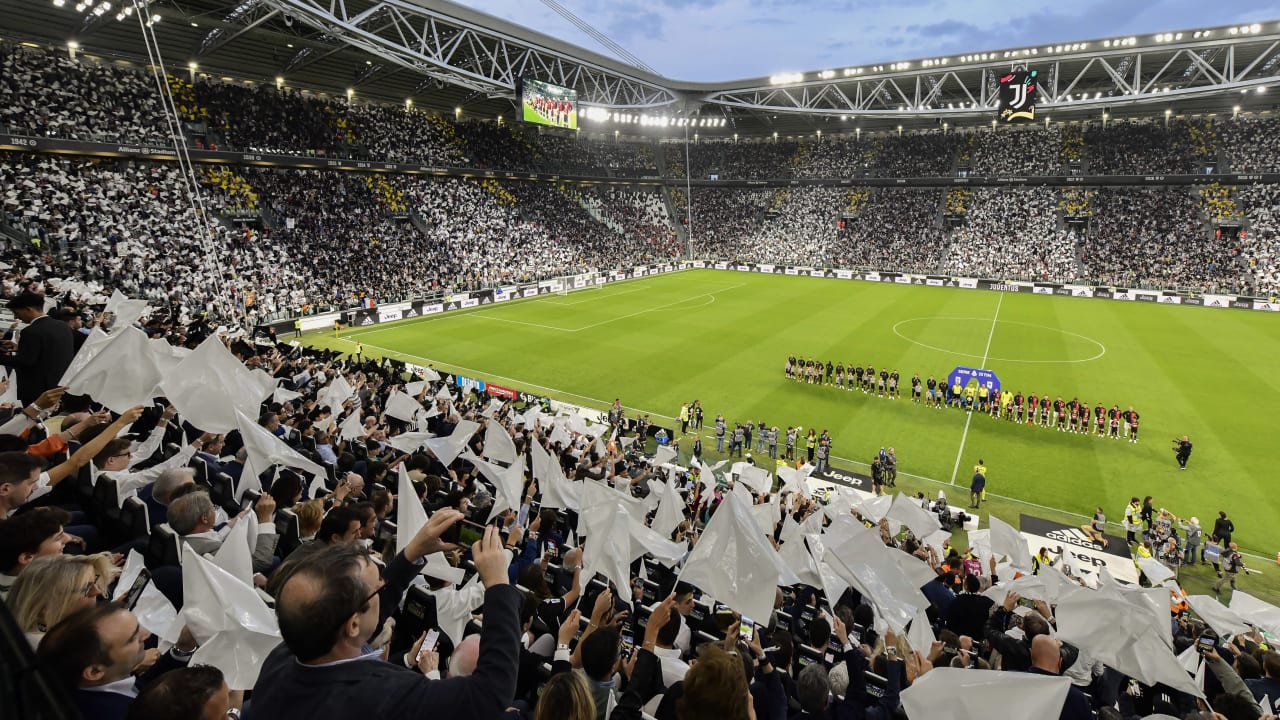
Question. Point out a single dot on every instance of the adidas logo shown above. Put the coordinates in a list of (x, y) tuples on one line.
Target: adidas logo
[(1072, 536), (368, 320), (484, 301)]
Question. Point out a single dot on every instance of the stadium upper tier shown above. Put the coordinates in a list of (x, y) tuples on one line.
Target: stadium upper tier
[(48, 94), (290, 240)]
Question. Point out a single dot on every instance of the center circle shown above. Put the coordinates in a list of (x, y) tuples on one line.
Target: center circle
[(1080, 340)]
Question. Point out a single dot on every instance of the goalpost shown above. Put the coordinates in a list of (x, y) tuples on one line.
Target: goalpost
[(581, 281)]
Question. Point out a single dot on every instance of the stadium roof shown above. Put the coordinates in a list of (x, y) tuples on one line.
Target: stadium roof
[(446, 56)]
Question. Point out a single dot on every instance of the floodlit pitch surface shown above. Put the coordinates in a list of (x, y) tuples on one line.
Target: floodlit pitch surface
[(723, 337)]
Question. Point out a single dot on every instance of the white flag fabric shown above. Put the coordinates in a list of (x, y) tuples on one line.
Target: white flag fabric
[(874, 508), (121, 374), (126, 311), (757, 478), (793, 480), (264, 450), (438, 567), (1221, 618), (234, 555), (284, 395), (507, 482), (557, 490), (920, 635), (352, 428), (409, 442), (908, 511), (410, 515), (336, 393), (495, 405), (670, 510), (644, 541), (664, 454), (960, 694), (802, 562), (96, 341), (1119, 633), (235, 628), (1262, 614), (606, 523), (859, 556), (210, 386), (402, 406), (1156, 571), (734, 563), (168, 356), (1008, 542), (446, 449), (415, 388), (498, 445)]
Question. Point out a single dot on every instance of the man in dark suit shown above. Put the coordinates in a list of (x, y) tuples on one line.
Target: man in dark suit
[(329, 606), (92, 654), (44, 349), (73, 321)]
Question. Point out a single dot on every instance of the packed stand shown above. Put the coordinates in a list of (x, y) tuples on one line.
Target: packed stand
[(1260, 247), (1021, 151), (1142, 147), (1155, 238), (721, 218), (360, 537), (1011, 234), (797, 229), (575, 156), (44, 93), (896, 229), (638, 213), (1252, 144)]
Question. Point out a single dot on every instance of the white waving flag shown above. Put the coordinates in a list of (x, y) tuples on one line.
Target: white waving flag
[(508, 482), (557, 490), (264, 450), (670, 510), (402, 406), (1260, 613), (410, 515), (210, 386), (734, 563), (126, 311), (1118, 633), (121, 374), (1009, 542), (235, 628), (606, 523), (446, 449), (959, 694), (921, 522), (498, 445), (336, 393)]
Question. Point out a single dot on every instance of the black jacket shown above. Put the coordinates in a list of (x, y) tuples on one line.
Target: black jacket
[(45, 349), (375, 689)]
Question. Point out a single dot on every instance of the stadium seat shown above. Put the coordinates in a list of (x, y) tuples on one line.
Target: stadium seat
[(163, 549), (135, 518)]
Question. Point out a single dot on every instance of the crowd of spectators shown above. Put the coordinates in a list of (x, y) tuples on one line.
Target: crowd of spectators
[(1156, 238), (1141, 147), (896, 229), (375, 541), (1032, 150), (1012, 233), (1260, 245), (797, 229), (1252, 143), (47, 94)]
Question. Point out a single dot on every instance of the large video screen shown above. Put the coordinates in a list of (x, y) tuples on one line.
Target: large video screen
[(548, 104)]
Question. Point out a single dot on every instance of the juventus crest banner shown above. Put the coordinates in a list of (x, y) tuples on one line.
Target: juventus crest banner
[(1018, 96)]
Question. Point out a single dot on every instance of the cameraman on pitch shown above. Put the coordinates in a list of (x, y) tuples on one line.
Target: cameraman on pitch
[(1182, 451)]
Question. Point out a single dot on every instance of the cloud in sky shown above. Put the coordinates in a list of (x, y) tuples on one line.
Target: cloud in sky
[(711, 40)]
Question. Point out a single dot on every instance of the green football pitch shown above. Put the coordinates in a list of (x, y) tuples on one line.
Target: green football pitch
[(722, 337)]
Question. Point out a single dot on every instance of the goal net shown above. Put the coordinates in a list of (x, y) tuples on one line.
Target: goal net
[(582, 281)]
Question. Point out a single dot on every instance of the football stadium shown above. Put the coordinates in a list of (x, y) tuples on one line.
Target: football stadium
[(412, 358)]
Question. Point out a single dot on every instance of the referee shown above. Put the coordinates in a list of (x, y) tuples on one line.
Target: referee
[(1182, 451)]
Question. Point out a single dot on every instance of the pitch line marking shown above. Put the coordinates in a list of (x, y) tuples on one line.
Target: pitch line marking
[(1102, 349), (969, 419)]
